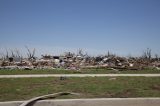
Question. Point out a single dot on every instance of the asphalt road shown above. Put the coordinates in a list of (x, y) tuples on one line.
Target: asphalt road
[(79, 75)]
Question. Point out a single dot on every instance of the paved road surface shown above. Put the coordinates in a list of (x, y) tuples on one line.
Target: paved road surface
[(78, 75), (93, 102)]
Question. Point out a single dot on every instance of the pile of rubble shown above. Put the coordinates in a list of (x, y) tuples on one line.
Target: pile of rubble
[(76, 62)]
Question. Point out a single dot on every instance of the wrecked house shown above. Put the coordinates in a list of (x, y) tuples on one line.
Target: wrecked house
[(76, 61)]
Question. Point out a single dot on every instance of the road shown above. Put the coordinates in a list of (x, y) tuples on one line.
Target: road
[(79, 75), (92, 102)]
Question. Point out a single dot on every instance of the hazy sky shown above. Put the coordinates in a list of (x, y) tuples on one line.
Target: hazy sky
[(52, 26)]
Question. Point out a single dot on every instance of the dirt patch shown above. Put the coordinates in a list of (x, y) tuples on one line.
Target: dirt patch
[(156, 87), (124, 94)]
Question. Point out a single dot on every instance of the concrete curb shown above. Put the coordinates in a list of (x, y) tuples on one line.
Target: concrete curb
[(92, 102)]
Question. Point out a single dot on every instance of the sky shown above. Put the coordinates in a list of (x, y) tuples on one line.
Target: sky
[(123, 27)]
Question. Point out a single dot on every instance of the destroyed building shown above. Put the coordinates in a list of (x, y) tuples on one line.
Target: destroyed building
[(76, 61)]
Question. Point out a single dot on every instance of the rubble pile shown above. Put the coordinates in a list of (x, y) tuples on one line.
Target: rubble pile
[(71, 61)]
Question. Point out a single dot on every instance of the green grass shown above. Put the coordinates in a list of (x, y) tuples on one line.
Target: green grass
[(88, 87), (83, 71), (35, 71), (109, 71)]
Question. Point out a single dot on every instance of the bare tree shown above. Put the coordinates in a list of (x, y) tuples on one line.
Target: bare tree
[(12, 53), (7, 54), (17, 53), (69, 54), (147, 54), (157, 57), (31, 53), (108, 53), (2, 56), (81, 53)]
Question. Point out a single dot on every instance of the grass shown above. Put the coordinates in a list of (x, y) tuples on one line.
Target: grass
[(83, 71), (88, 87)]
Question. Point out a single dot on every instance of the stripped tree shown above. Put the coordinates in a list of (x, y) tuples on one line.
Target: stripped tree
[(7, 55), (147, 54), (31, 53)]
